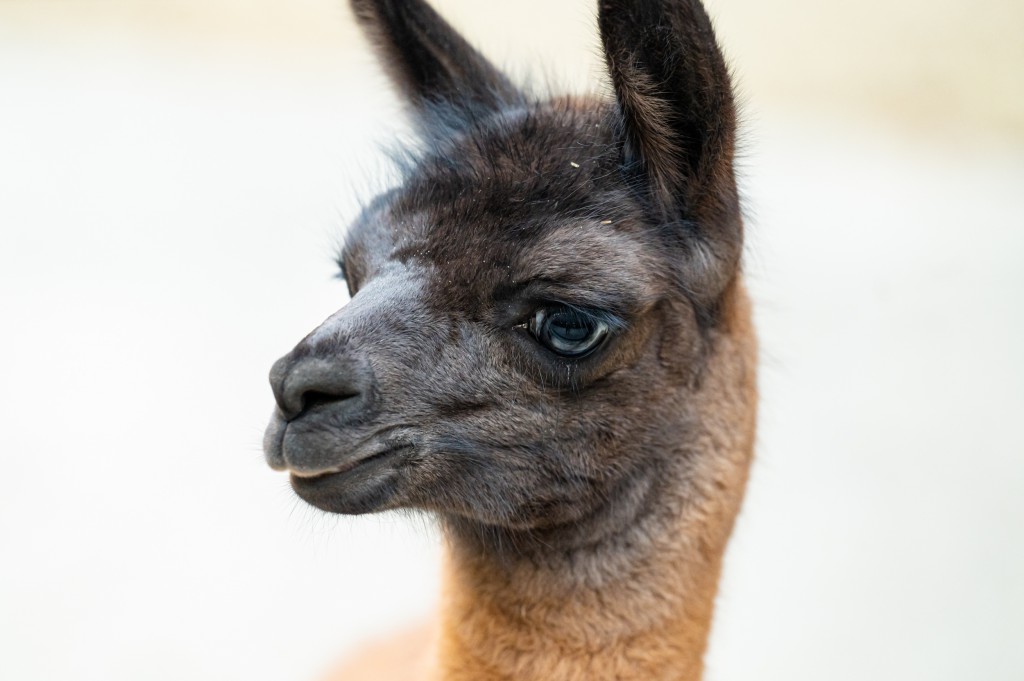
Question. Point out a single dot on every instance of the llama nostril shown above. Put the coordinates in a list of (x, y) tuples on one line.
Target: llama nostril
[(315, 398), (311, 382)]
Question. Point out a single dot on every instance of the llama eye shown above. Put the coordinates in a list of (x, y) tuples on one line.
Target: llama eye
[(567, 331)]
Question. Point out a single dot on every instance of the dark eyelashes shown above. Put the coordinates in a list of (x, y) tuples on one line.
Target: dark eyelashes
[(613, 321)]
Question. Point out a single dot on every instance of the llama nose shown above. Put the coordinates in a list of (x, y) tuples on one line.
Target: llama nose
[(300, 385)]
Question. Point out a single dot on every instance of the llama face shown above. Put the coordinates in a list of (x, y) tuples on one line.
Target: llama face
[(503, 335), (531, 305)]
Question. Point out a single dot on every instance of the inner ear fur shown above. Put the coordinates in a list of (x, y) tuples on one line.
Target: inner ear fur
[(677, 123), (440, 74)]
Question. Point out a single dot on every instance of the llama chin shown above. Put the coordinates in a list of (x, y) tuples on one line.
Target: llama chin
[(548, 348)]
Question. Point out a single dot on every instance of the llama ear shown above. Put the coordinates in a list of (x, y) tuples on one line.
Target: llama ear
[(678, 121), (430, 63)]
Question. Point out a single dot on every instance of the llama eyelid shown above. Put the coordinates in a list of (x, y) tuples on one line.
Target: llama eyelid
[(612, 322), (611, 308), (599, 315)]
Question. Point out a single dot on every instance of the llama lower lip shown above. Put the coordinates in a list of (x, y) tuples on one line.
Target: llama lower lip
[(360, 487)]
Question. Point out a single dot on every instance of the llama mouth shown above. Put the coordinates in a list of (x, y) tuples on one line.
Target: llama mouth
[(346, 467), (360, 486)]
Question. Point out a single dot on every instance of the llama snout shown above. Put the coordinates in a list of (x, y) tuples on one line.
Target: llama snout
[(304, 385), (321, 401)]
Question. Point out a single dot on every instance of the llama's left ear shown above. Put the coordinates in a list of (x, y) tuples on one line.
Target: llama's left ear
[(678, 123), (431, 65)]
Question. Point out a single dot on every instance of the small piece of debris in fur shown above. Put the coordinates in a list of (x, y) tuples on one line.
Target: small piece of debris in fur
[(606, 222), (574, 164)]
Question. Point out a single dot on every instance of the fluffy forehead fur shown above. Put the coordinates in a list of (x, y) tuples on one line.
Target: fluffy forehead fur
[(534, 192)]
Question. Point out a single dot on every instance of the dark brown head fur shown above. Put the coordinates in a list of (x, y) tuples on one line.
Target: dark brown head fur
[(434, 387)]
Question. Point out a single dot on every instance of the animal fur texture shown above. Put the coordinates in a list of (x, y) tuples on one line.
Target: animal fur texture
[(548, 348)]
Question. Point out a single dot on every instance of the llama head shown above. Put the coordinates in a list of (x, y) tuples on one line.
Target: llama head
[(531, 309)]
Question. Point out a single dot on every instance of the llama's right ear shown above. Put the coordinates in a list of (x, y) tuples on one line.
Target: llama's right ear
[(431, 65), (678, 124)]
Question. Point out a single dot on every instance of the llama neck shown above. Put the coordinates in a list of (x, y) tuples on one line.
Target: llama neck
[(633, 605)]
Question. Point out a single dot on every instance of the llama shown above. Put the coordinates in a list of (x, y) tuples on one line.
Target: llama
[(549, 349)]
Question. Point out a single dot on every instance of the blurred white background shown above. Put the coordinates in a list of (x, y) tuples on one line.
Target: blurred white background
[(174, 177)]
